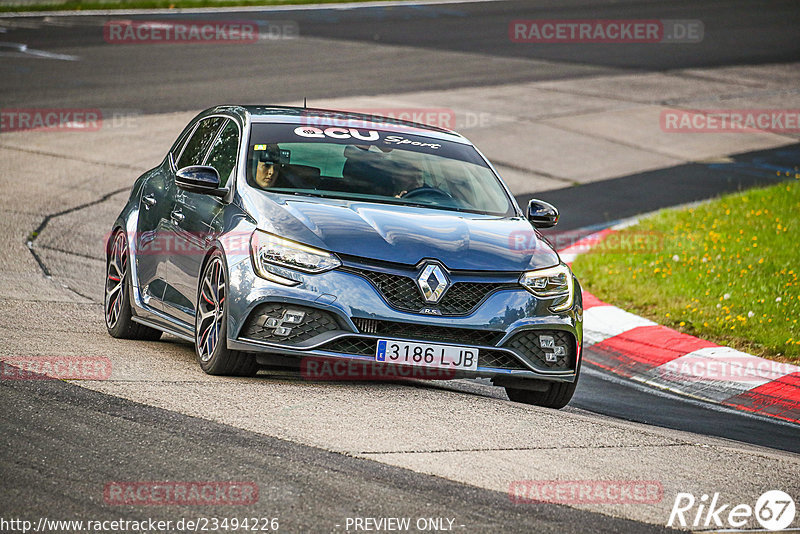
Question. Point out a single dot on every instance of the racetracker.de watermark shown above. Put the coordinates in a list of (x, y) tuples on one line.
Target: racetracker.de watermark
[(438, 117), (189, 493), (639, 242), (55, 367), (705, 368), (50, 119), (318, 368), (67, 119), (196, 32), (586, 491), (159, 242), (730, 120), (609, 31)]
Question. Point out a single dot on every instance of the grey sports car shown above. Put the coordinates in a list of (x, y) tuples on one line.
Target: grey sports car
[(331, 240)]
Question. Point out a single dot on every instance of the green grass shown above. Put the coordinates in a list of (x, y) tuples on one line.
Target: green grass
[(726, 271), (82, 5)]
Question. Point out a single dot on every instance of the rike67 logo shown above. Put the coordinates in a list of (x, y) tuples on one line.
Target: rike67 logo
[(774, 510)]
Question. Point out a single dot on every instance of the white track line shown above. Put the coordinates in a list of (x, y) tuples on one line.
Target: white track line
[(234, 9)]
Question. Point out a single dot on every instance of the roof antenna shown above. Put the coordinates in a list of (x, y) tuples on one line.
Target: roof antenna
[(305, 104)]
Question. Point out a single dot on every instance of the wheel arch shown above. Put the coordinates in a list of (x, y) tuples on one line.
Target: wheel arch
[(110, 237), (216, 247)]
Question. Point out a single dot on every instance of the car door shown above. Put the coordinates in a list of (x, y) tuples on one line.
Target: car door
[(153, 227), (200, 216), (186, 247)]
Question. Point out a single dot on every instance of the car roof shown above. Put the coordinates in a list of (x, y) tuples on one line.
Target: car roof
[(342, 119)]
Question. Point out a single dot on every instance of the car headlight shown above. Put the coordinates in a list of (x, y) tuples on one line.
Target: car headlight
[(276, 259), (552, 283)]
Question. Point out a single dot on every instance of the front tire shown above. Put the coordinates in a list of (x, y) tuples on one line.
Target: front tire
[(556, 396), (117, 303), (210, 325)]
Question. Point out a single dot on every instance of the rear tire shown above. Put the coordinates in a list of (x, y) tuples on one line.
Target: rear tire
[(210, 325), (117, 295)]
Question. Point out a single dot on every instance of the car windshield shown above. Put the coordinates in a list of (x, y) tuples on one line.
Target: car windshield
[(373, 165)]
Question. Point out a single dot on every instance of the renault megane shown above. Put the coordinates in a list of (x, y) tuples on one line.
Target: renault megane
[(272, 234)]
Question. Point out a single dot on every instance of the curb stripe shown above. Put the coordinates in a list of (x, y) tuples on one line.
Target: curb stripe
[(640, 350), (714, 373), (779, 398), (590, 301), (604, 322)]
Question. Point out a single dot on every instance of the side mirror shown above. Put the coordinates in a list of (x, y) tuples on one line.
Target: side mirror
[(542, 214), (200, 179)]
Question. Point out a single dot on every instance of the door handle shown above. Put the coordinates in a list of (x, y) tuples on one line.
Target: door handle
[(149, 200), (178, 216)]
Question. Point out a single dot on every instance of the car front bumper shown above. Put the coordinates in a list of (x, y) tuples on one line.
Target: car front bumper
[(345, 315)]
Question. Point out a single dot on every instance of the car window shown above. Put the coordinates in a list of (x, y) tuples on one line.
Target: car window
[(374, 166), (329, 158), (175, 151), (223, 152), (198, 145)]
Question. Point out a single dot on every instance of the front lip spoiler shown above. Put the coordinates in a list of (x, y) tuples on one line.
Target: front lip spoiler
[(249, 345)]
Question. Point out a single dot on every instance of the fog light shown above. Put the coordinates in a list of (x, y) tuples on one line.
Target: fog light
[(288, 317), (548, 342), (283, 331)]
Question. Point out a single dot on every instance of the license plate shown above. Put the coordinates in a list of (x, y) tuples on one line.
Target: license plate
[(427, 355)]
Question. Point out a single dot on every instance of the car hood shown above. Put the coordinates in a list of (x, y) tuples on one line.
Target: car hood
[(405, 234)]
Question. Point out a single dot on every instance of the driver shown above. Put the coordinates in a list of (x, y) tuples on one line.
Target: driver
[(408, 180), (268, 171)]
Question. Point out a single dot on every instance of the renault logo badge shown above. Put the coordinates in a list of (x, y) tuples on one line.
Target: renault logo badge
[(432, 282)]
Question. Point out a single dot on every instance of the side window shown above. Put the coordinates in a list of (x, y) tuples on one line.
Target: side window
[(175, 151), (223, 153), (198, 145)]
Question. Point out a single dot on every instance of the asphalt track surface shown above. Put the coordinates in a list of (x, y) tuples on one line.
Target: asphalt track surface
[(412, 46), (53, 428)]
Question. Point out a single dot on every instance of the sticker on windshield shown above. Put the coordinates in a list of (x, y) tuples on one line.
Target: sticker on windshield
[(336, 133), (274, 134), (355, 133), (398, 140)]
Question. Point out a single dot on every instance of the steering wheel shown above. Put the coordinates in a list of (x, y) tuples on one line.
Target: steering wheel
[(427, 190)]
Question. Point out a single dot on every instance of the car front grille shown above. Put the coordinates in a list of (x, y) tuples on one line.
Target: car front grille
[(529, 343), (401, 292), (498, 359), (428, 332), (313, 323), (362, 346)]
